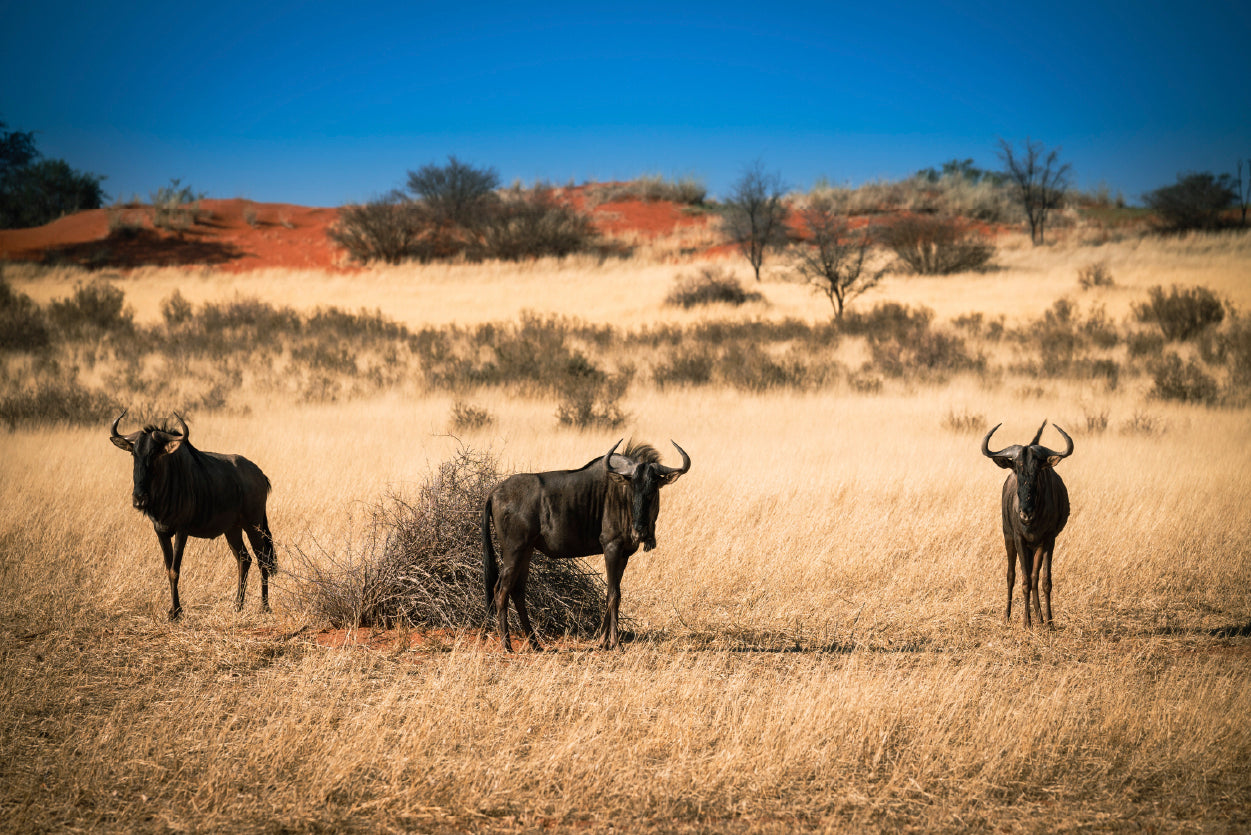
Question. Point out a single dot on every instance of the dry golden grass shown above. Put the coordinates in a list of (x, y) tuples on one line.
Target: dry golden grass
[(818, 640)]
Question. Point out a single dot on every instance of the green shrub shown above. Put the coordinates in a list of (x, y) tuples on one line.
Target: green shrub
[(175, 209), (710, 285), (1183, 313), (650, 188)]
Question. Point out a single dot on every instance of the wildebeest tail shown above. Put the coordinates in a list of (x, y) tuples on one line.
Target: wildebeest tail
[(490, 569)]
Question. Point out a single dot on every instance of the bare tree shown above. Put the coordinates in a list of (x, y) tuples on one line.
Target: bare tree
[(833, 259), (1039, 179), (755, 217)]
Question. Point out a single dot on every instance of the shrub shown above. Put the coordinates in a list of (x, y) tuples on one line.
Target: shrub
[(1182, 314), (386, 229), (964, 422), (1195, 201), (711, 285), (1094, 275), (174, 208), (650, 188), (887, 320), (176, 310), (56, 401), (533, 224), (467, 416), (1184, 381), (590, 398), (98, 304), (936, 245), (685, 366), (22, 324), (421, 563)]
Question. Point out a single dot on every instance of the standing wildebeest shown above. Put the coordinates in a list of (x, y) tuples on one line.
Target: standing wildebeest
[(607, 507), (186, 492), (1035, 510)]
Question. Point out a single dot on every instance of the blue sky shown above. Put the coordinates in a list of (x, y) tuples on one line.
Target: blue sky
[(326, 103)]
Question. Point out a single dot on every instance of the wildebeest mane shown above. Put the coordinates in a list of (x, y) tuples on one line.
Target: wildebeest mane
[(188, 486), (641, 452)]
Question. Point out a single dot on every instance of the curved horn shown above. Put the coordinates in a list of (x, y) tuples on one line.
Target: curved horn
[(186, 433), (113, 433), (1068, 446), (686, 462), (1038, 434), (986, 444)]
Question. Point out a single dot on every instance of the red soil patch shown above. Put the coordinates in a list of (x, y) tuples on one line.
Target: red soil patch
[(279, 235)]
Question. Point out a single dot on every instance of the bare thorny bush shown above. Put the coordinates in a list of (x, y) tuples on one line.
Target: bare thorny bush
[(420, 563)]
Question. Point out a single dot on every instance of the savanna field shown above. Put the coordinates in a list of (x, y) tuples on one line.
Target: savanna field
[(818, 641)]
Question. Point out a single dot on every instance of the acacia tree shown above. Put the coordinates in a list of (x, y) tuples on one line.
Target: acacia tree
[(1039, 180), (755, 216), (833, 257)]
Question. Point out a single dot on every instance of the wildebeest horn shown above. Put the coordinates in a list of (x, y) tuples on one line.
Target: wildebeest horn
[(686, 462), (986, 444), (185, 431), (113, 433), (1038, 434), (1068, 446)]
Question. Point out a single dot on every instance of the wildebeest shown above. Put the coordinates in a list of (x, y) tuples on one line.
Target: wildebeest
[(608, 507), (186, 492), (1035, 510)]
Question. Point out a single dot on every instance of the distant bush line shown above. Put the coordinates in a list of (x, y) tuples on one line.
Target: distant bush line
[(201, 357)]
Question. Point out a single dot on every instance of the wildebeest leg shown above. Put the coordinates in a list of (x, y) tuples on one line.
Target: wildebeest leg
[(1010, 544), (1026, 555), (263, 545), (234, 537), (1039, 555), (615, 566), (173, 564), (519, 600), (513, 561), (1045, 559), (167, 551)]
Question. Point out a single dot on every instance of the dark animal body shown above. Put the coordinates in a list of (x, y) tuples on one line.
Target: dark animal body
[(609, 507), (186, 492), (1035, 510)]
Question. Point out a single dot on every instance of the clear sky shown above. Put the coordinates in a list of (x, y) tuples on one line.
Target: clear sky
[(326, 103)]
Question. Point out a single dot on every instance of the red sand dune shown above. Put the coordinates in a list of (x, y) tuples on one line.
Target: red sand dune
[(278, 235)]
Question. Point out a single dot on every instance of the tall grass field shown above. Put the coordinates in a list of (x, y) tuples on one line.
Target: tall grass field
[(818, 642)]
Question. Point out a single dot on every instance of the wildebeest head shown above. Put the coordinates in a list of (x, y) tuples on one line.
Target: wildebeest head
[(1028, 462), (644, 480), (147, 447)]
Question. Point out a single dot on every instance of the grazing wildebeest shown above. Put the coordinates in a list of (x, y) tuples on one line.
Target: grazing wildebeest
[(607, 507), (186, 492), (1035, 510)]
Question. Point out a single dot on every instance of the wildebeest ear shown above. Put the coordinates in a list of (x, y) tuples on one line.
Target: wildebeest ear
[(1052, 460), (620, 478), (669, 478), (1005, 461), (123, 442), (171, 446)]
